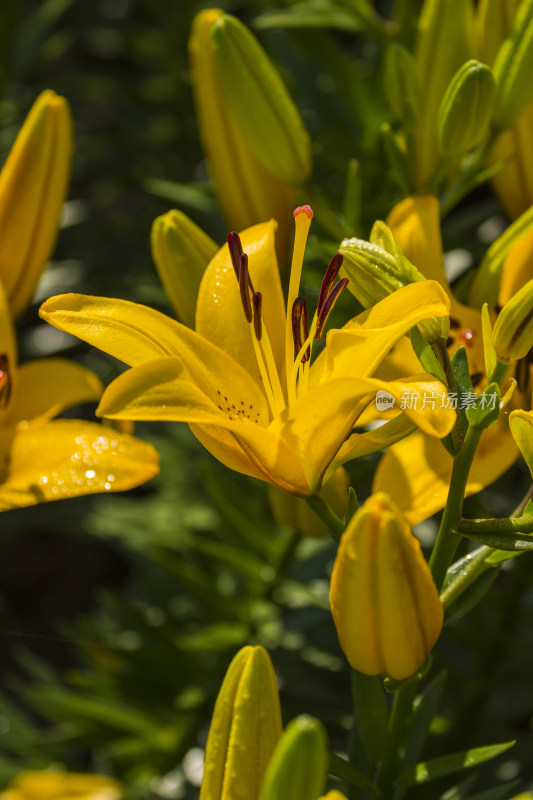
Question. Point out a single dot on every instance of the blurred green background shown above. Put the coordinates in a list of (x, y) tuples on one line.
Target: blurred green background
[(120, 614)]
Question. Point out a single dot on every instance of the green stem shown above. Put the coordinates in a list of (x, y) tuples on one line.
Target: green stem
[(448, 541), (334, 525), (521, 507), (505, 525), (476, 567), (402, 709)]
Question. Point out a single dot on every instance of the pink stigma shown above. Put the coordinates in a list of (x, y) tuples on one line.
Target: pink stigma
[(303, 210)]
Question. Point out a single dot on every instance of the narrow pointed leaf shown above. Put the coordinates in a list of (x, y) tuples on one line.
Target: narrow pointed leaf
[(455, 762)]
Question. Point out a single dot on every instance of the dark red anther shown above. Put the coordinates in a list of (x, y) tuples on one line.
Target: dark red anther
[(328, 304), (300, 329), (235, 251), (5, 381), (329, 279), (244, 286), (257, 302)]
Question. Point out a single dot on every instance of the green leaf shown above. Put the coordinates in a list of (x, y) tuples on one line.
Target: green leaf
[(486, 410), (503, 541), (344, 770), (470, 597), (426, 356), (311, 15), (371, 713), (424, 709), (497, 793), (455, 762)]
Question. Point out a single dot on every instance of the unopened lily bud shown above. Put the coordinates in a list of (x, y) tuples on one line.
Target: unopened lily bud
[(247, 711), (443, 43), (384, 602), (376, 272), (295, 513), (260, 103), (466, 109), (298, 769), (33, 187), (513, 68), (51, 785), (512, 337), (521, 425), (401, 84), (181, 252), (234, 169)]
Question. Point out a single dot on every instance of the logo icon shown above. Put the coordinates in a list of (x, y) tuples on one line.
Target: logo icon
[(384, 400)]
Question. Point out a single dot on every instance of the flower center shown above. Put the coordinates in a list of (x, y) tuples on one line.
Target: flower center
[(298, 337)]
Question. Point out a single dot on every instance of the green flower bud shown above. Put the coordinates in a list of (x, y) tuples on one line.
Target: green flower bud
[(384, 602), (378, 268), (247, 711), (466, 109), (401, 84), (299, 765), (260, 103), (513, 332), (513, 68), (181, 252)]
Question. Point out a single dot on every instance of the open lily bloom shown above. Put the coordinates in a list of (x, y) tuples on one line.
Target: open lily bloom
[(244, 380), (43, 459), (417, 473)]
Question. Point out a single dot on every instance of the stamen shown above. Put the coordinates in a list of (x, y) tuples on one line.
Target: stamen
[(302, 221), (328, 304), (257, 301), (244, 286), (329, 279), (235, 251), (5, 381), (300, 330)]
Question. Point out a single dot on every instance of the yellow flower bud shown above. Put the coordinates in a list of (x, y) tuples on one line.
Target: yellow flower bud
[(513, 67), (48, 785), (294, 512), (333, 795), (384, 602), (298, 768), (260, 102), (513, 331), (33, 187), (247, 192), (443, 44), (521, 425), (181, 252), (466, 109), (247, 711)]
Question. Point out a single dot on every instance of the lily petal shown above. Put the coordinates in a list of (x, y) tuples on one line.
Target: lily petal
[(219, 300), (163, 389), (365, 341), (362, 444), (137, 334), (68, 458), (48, 386), (415, 224), (516, 269), (416, 472)]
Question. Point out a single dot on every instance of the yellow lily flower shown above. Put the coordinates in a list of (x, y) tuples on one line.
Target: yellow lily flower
[(44, 785), (416, 473), (243, 380), (43, 459), (33, 187)]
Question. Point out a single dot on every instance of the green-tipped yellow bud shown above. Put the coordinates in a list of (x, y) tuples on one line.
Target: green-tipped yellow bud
[(48, 785), (466, 109), (247, 192), (294, 512), (33, 187), (401, 84), (260, 102), (521, 425), (512, 337), (384, 602), (181, 252), (378, 268), (299, 765), (245, 729), (513, 68)]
